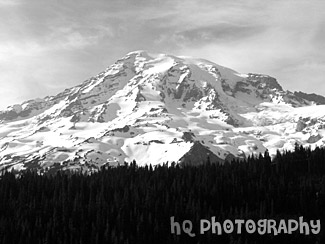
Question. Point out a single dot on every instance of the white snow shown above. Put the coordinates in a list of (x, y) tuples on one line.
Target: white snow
[(113, 126)]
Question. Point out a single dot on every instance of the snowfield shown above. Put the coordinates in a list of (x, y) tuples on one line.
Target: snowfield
[(157, 108)]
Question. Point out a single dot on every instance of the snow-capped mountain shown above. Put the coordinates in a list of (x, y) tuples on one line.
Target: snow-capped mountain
[(158, 108)]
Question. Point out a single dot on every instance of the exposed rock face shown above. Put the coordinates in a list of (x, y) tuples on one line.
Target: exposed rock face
[(26, 110), (263, 81), (300, 125), (188, 137), (314, 138), (318, 99)]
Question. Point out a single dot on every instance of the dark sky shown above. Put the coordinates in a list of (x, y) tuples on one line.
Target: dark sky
[(49, 45)]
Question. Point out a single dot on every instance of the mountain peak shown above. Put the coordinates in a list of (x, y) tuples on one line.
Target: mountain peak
[(142, 106)]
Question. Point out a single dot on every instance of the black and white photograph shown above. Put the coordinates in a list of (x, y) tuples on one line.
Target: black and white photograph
[(162, 121)]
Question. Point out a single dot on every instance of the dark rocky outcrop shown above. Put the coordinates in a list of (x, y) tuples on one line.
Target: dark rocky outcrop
[(300, 125), (198, 155), (318, 99), (314, 138)]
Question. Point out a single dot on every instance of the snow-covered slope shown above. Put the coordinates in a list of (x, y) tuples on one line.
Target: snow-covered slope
[(156, 108)]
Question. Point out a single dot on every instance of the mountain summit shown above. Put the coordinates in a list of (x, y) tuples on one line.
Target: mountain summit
[(156, 108)]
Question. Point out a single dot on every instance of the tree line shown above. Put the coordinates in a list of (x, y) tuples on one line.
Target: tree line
[(132, 204)]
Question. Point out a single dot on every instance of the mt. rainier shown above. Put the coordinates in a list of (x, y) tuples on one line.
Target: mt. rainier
[(156, 108)]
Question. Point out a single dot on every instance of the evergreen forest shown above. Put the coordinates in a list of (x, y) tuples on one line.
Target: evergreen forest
[(132, 204)]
